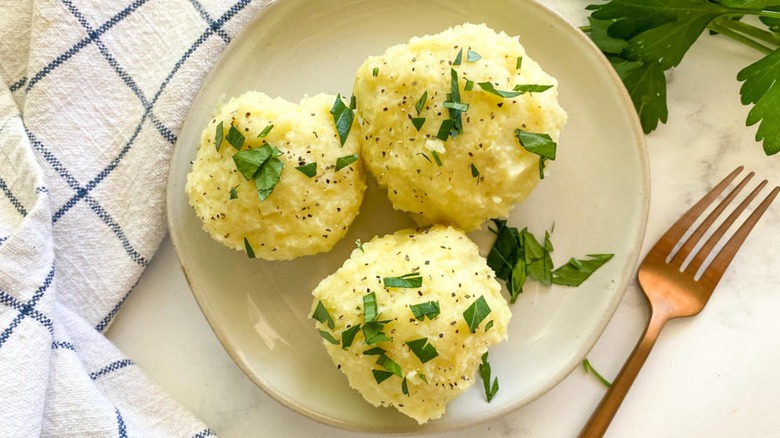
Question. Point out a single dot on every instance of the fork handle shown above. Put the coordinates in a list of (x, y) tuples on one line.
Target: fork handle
[(601, 418)]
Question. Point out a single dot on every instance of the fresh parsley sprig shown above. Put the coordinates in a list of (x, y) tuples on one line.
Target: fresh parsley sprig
[(517, 255), (644, 38)]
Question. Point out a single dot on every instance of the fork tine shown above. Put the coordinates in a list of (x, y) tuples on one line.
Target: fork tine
[(669, 240), (685, 250), (706, 249), (715, 270)]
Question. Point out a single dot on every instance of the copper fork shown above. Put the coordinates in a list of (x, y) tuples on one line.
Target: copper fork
[(672, 283)]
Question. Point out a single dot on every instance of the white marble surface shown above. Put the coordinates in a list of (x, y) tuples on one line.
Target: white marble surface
[(714, 375)]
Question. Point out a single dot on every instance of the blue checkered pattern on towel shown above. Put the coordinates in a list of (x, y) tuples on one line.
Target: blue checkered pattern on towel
[(93, 95)]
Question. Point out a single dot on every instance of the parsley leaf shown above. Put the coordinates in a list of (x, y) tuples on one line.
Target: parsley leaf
[(248, 248), (531, 88), (328, 337), (458, 58), (476, 313), (342, 117), (375, 72), (474, 171), (421, 102), (218, 135), (538, 143), (321, 314), (235, 137), (342, 162), (348, 336), (381, 375), (248, 162), (761, 87), (517, 255), (369, 307), (389, 364), (411, 280), (373, 333), (484, 373), (268, 176), (233, 193), (418, 122), (642, 39), (308, 169), (430, 309), (422, 349), (487, 86), (436, 158), (576, 271), (266, 130)]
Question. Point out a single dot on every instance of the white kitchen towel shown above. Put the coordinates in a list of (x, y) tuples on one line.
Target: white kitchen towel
[(94, 93)]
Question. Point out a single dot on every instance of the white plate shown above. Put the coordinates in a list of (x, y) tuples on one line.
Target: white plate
[(596, 197)]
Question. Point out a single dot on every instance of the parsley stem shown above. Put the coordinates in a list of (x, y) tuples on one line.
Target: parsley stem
[(728, 32), (750, 30)]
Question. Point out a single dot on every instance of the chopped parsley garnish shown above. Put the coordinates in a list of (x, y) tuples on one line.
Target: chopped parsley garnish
[(539, 144), (459, 106), (348, 336), (531, 88), (404, 387), (418, 122), (458, 58), (352, 102), (233, 193), (430, 309), (446, 128), (375, 72), (411, 280), (376, 351), (342, 117), (484, 373), (248, 248), (454, 97), (267, 177), (381, 375), (519, 62), (476, 313), (472, 56), (474, 171), (321, 314), (359, 245), (249, 162), (218, 135), (590, 370), (489, 325), (436, 158), (266, 130), (261, 165), (424, 156), (235, 137), (422, 349), (487, 86), (328, 337), (342, 162), (469, 85), (390, 365), (369, 307), (518, 255), (373, 333), (538, 262), (576, 271), (308, 169), (421, 102)]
